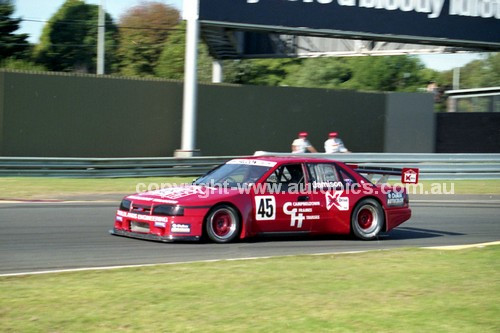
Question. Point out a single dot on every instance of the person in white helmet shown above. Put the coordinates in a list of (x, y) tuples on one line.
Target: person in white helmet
[(334, 144), (302, 145)]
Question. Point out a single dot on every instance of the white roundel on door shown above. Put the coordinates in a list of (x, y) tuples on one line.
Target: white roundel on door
[(265, 207)]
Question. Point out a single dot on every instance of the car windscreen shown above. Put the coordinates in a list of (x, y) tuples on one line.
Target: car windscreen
[(233, 174)]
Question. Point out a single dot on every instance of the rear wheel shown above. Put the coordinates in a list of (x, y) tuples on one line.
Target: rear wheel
[(223, 224), (367, 219)]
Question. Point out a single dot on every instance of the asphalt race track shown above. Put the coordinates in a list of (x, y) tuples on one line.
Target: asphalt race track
[(53, 236)]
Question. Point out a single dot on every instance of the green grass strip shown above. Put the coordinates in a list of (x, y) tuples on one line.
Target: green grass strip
[(53, 188), (480, 186), (56, 188), (383, 291)]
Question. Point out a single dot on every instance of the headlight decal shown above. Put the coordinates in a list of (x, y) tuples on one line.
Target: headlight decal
[(168, 210), (125, 205)]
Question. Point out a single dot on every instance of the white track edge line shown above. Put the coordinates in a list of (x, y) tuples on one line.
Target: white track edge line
[(461, 247), (85, 269)]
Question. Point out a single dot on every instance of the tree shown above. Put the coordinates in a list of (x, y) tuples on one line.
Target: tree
[(69, 39), (11, 45), (143, 32), (390, 73), (321, 72), (21, 64), (396, 73), (493, 67), (476, 74), (268, 72), (481, 73), (171, 61)]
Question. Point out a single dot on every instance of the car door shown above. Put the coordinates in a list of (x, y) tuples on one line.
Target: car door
[(328, 188), (285, 207)]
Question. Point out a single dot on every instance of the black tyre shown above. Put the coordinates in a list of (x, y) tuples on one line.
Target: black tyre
[(223, 224), (367, 219)]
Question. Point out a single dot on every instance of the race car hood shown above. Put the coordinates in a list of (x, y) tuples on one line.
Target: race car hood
[(184, 195)]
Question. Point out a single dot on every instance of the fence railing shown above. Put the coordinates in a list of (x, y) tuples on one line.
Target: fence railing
[(432, 166)]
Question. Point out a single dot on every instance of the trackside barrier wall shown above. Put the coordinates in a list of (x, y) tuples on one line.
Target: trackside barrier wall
[(68, 115), (468, 132), (432, 166)]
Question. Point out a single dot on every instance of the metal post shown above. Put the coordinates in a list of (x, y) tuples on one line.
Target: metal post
[(456, 78), (190, 80), (217, 71), (452, 104), (101, 29)]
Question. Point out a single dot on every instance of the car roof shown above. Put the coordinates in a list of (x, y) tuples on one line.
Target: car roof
[(290, 159)]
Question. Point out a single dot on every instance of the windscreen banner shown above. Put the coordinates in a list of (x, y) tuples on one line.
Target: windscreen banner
[(443, 22)]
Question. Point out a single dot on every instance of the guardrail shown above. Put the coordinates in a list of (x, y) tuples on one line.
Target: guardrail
[(107, 167), (432, 166)]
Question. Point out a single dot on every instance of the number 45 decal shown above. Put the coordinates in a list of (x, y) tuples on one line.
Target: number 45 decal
[(265, 207)]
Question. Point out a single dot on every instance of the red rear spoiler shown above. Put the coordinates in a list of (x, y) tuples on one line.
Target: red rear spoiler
[(408, 175)]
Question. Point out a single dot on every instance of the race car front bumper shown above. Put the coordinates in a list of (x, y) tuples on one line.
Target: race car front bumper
[(152, 237)]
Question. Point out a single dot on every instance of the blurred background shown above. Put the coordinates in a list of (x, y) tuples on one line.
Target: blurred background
[(50, 109)]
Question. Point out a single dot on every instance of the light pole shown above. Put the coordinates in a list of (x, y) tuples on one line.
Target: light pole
[(101, 29), (188, 139), (217, 71)]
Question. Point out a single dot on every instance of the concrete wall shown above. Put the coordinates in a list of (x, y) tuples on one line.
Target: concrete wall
[(409, 126), (87, 116), (57, 115), (471, 132), (243, 119)]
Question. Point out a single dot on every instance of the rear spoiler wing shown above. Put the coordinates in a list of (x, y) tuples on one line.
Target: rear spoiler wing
[(408, 175)]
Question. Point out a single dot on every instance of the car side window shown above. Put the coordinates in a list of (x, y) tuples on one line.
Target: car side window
[(323, 175), (287, 175), (346, 178), (238, 175)]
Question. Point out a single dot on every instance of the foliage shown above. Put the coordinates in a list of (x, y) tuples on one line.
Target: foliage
[(395, 73), (377, 73), (269, 72), (428, 75), (12, 63), (390, 73), (476, 74), (143, 32), (151, 42), (493, 68), (171, 62), (69, 39), (11, 45), (321, 72), (479, 73)]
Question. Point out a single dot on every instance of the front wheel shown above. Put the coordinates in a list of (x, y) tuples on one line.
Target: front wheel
[(367, 219), (223, 224)]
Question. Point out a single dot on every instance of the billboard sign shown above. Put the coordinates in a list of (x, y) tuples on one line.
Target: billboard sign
[(470, 23)]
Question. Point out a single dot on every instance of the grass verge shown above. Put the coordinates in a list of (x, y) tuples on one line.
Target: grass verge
[(480, 186), (50, 188), (383, 291), (53, 188)]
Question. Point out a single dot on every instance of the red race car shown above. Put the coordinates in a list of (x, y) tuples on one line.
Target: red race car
[(254, 196)]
